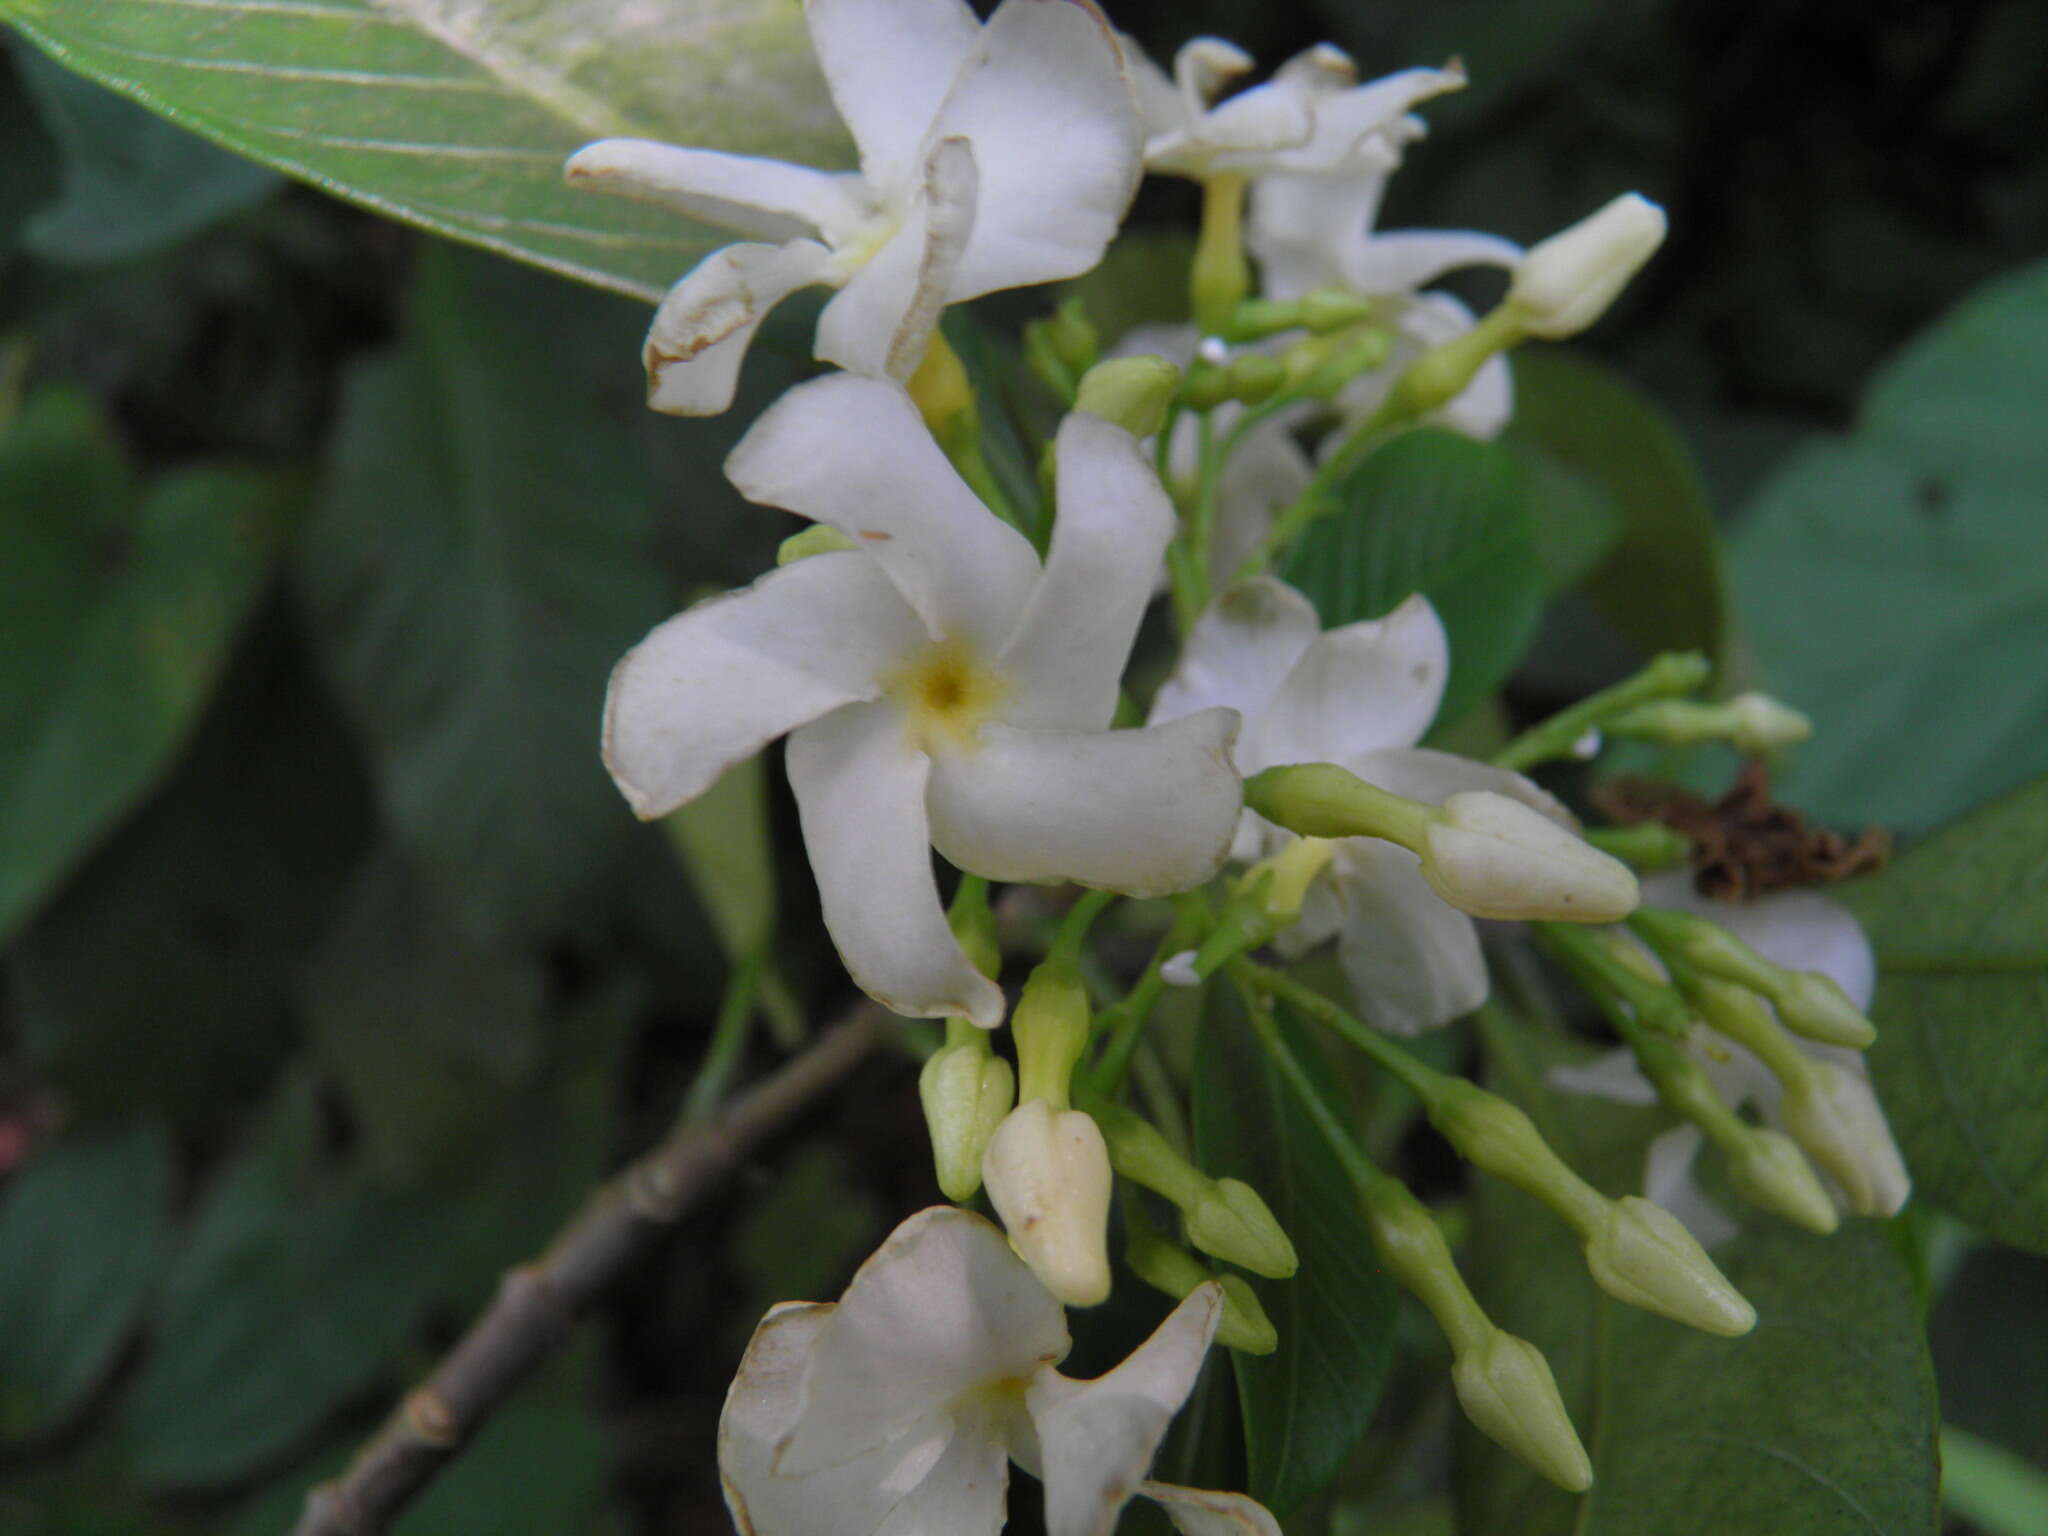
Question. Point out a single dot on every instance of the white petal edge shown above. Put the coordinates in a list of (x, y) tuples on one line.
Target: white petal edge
[(704, 326), (860, 792), (763, 199), (889, 64), (1203, 1512), (1402, 261), (1412, 959), (718, 682), (941, 1308), (1067, 656), (1096, 1439), (1670, 1180), (1613, 1075), (853, 452), (1239, 653), (1359, 689), (1145, 812)]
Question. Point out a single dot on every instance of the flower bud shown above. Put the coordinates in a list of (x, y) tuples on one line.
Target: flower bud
[(942, 393), (966, 1090), (1230, 1222), (1507, 1391), (1133, 392), (1495, 857), (1167, 1267), (1770, 1172), (1050, 1027), (818, 539), (1813, 1004), (1047, 1174), (1330, 309), (1832, 1113), (1763, 724), (1072, 337), (1641, 1254), (1255, 377), (1565, 283)]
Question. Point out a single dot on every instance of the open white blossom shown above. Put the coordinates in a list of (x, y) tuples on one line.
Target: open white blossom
[(897, 1410), (941, 687), (1802, 931), (1360, 696), (992, 156)]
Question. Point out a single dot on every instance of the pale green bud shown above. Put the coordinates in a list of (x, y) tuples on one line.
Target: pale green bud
[(1813, 1004), (1255, 377), (818, 539), (1219, 277), (1230, 1222), (1770, 1172), (942, 392), (1170, 1268), (1750, 722), (1495, 857), (966, 1090), (1506, 1389), (1294, 869), (1763, 724), (1330, 309), (1565, 283), (973, 924), (1047, 1175), (1833, 1114), (1245, 1326), (1205, 387), (1133, 392), (1072, 337), (1642, 1255), (1050, 1027)]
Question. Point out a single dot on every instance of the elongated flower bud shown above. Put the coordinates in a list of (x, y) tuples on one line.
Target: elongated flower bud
[(1494, 857), (1172, 1269), (966, 1090), (1565, 283), (1506, 1389), (1047, 1174), (1133, 392), (1834, 1115), (1813, 1004), (1770, 1172), (1230, 1222), (1641, 1254)]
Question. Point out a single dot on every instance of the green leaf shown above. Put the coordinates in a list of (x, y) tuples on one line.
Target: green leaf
[(723, 840), (1926, 522), (429, 1036), (216, 893), (122, 606), (1439, 514), (1664, 584), (1960, 926), (81, 1229), (1307, 1404), (475, 565), (457, 114), (1820, 1421), (131, 181)]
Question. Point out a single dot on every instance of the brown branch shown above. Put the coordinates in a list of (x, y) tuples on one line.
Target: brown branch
[(537, 1301)]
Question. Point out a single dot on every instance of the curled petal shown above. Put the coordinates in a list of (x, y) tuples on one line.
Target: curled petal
[(889, 64), (1143, 812), (881, 322), (853, 452), (1239, 652), (1046, 104), (941, 1308), (763, 199), (1412, 959), (719, 681), (701, 332), (1075, 636), (1097, 1438), (860, 791), (1357, 690), (1200, 1512)]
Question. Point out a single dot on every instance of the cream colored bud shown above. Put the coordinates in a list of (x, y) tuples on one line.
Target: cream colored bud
[(966, 1091), (1132, 392), (1229, 1221), (1763, 724), (1642, 1254), (1833, 1114), (1565, 283), (1047, 1175), (1770, 1172), (1507, 1391), (1813, 1004), (1495, 857)]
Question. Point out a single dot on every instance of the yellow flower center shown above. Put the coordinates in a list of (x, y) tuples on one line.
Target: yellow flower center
[(947, 694)]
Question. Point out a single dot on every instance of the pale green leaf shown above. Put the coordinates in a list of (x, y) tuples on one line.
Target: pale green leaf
[(457, 114)]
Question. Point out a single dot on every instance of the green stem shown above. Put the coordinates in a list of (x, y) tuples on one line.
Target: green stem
[(1668, 675), (728, 1039), (1425, 1082), (1251, 982), (1630, 1001), (1122, 1025)]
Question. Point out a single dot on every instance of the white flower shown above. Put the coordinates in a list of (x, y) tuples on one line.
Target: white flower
[(941, 687), (897, 1411), (1360, 697), (991, 157), (1803, 931), (1567, 282)]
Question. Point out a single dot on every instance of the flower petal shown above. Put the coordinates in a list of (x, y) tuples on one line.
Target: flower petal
[(1096, 1438), (1143, 812), (1612, 1075), (851, 1499), (1114, 522), (719, 681), (1423, 773), (941, 1308), (860, 791), (1239, 653), (1358, 690), (1045, 101), (1412, 958), (1669, 1181), (1347, 119), (853, 452), (1201, 1512), (763, 199), (882, 321), (1268, 470), (889, 64), (1800, 930), (701, 333), (1302, 228), (963, 1493), (1402, 261)]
